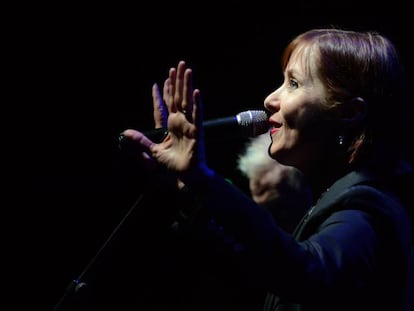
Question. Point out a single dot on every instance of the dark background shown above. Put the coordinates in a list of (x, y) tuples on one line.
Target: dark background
[(84, 73)]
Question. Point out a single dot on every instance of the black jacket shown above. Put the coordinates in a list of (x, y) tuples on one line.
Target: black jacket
[(226, 253), (350, 252)]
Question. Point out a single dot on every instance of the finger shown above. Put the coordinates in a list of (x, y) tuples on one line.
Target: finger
[(167, 93), (135, 143), (179, 85), (170, 82), (197, 110), (139, 139), (198, 120), (187, 104), (160, 110)]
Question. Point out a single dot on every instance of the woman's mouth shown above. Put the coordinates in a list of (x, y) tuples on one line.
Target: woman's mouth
[(274, 130)]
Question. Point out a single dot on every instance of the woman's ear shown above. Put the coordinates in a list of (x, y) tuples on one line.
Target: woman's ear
[(353, 112)]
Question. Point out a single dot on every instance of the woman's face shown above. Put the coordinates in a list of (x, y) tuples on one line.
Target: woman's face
[(296, 106)]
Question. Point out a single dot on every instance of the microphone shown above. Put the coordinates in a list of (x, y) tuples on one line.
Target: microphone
[(248, 123)]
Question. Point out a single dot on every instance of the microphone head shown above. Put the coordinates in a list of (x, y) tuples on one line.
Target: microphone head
[(256, 121)]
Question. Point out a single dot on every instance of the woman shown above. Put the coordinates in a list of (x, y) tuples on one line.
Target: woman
[(330, 119)]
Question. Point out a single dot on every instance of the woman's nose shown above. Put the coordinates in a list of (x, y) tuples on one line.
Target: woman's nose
[(271, 102)]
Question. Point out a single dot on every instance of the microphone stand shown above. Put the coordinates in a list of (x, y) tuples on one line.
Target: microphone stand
[(75, 291), (74, 295)]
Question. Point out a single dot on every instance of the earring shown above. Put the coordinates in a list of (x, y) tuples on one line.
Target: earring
[(341, 140)]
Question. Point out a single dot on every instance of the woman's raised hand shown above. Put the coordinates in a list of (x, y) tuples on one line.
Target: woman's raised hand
[(183, 147)]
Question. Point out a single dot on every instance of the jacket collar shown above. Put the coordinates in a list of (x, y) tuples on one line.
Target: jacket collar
[(347, 181)]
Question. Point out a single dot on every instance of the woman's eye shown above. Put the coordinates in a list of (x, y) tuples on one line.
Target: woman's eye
[(293, 84)]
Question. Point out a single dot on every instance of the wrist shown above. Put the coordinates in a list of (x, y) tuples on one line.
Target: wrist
[(196, 176)]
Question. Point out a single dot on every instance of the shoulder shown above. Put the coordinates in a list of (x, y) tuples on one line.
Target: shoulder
[(375, 204)]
